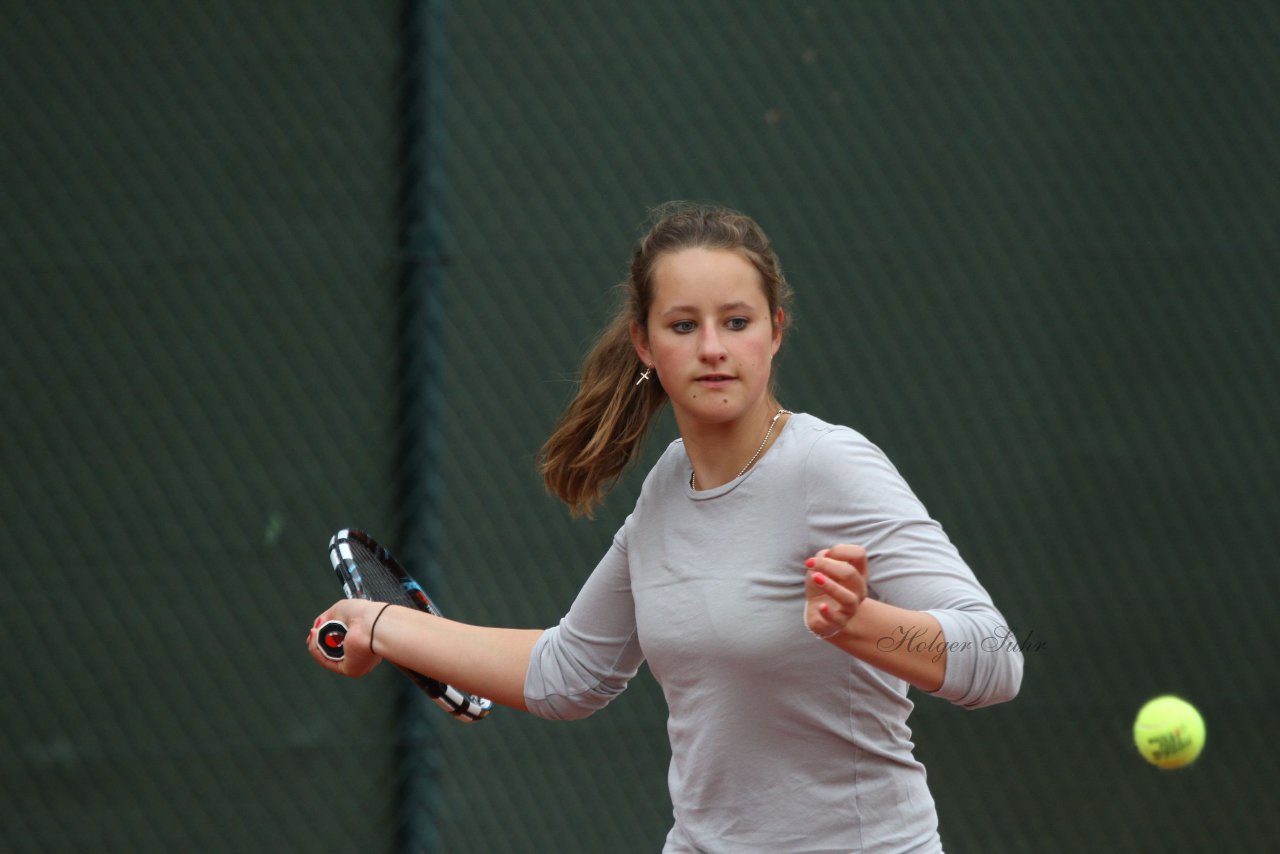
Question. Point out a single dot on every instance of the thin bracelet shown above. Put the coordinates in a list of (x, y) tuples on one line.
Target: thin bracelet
[(375, 625)]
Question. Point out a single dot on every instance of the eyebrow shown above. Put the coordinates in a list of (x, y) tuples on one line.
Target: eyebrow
[(689, 309)]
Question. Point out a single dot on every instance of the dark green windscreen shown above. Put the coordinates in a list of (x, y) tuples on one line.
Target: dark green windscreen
[(198, 245)]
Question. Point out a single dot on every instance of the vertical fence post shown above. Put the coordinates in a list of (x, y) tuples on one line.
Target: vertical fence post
[(421, 351)]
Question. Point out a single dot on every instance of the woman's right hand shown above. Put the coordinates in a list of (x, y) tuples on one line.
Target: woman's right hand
[(358, 615)]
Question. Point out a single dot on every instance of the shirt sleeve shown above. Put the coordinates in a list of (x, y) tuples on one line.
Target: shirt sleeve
[(856, 495), (580, 665)]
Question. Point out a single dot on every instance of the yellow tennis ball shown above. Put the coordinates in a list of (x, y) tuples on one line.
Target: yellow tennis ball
[(1169, 732)]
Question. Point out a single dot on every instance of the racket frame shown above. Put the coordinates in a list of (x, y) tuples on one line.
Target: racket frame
[(459, 704)]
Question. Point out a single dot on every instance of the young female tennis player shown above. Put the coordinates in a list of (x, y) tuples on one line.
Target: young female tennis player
[(777, 573)]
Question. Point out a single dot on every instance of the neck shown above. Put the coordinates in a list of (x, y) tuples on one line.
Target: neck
[(721, 452)]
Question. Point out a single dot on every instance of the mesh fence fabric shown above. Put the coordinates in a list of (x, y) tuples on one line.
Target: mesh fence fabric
[(198, 256), (1032, 247)]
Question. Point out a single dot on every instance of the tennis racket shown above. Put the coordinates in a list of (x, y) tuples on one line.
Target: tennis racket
[(367, 570)]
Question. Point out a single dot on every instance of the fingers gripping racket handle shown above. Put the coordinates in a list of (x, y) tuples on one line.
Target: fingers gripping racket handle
[(330, 639)]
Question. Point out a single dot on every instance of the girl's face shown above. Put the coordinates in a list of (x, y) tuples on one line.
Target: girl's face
[(709, 335)]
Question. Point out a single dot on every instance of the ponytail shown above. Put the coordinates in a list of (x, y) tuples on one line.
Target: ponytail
[(605, 424)]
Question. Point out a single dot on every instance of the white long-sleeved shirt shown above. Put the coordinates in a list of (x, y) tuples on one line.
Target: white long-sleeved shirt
[(779, 742)]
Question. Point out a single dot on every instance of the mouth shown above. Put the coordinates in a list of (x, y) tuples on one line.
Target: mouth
[(714, 379)]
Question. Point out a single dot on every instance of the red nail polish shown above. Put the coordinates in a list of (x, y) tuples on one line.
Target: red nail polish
[(819, 579), (809, 563)]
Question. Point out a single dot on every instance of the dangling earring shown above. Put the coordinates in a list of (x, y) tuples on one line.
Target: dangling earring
[(644, 377)]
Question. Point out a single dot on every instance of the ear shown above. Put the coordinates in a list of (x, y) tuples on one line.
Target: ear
[(640, 340), (779, 320)]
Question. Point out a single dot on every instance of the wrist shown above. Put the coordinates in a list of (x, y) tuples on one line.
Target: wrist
[(374, 626)]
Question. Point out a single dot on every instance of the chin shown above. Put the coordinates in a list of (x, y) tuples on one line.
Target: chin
[(717, 411)]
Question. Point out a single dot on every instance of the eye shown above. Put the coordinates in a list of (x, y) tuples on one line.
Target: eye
[(737, 323), (682, 326)]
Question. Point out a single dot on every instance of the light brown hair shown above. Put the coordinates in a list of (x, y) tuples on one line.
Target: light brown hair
[(604, 426)]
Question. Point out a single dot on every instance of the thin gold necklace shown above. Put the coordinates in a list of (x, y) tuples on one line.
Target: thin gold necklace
[(693, 477)]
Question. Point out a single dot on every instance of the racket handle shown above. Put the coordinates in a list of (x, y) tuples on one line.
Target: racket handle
[(329, 640)]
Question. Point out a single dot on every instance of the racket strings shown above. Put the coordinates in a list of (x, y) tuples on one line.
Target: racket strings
[(378, 582)]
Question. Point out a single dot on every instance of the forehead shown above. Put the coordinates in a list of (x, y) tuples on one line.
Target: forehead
[(696, 275)]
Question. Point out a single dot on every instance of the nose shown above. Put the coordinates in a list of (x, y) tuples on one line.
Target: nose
[(710, 347)]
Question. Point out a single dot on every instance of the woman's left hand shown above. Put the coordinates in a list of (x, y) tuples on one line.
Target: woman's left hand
[(835, 585)]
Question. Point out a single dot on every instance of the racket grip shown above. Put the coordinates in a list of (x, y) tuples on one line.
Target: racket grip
[(329, 640)]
